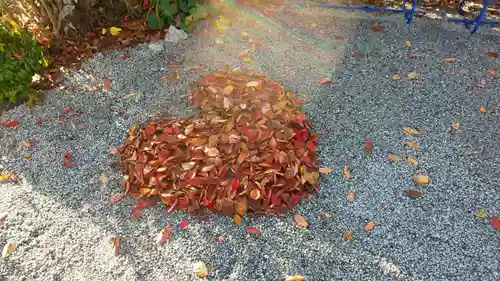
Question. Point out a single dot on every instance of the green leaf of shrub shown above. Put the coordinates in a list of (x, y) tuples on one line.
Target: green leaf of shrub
[(155, 22)]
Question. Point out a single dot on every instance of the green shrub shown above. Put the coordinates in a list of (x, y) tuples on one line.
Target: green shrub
[(187, 12), (20, 58)]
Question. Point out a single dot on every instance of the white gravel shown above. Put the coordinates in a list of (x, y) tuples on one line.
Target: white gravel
[(61, 218)]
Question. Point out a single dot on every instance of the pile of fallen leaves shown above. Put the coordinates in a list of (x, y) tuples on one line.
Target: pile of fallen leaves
[(251, 151)]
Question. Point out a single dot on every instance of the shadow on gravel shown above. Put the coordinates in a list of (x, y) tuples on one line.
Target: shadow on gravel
[(432, 238)]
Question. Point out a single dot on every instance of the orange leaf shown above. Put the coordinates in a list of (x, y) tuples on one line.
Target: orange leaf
[(393, 157), (413, 145), (347, 235), (116, 245), (369, 226), (377, 27), (324, 81), (396, 77), (492, 54), (255, 194), (107, 83), (300, 221), (482, 109), (450, 60), (237, 219), (412, 161), (495, 222), (347, 172)]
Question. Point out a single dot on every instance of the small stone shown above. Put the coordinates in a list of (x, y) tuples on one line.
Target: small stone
[(156, 46)]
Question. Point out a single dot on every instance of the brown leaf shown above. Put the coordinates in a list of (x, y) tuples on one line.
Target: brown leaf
[(348, 235), (347, 172), (8, 249), (115, 248), (393, 157), (492, 54), (414, 193), (411, 131), (396, 77), (325, 170), (324, 81), (413, 145), (107, 83), (227, 103), (412, 161), (482, 109), (369, 226), (377, 27), (492, 72), (420, 179), (295, 278), (300, 221), (450, 60), (164, 235), (237, 219), (3, 216), (351, 196)]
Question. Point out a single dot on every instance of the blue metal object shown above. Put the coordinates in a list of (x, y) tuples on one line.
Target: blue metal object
[(480, 19)]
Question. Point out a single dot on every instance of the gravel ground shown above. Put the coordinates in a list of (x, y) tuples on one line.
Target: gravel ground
[(61, 218)]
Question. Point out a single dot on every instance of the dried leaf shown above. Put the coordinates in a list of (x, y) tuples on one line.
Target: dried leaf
[(107, 83), (115, 248), (8, 249), (411, 131), (325, 170), (396, 77), (237, 219), (481, 213), (414, 193), (27, 143), (408, 44), (300, 221), (255, 194), (228, 90), (413, 145), (254, 84), (113, 150), (136, 213), (3, 216), (227, 103), (492, 54), (495, 222), (450, 60), (295, 278), (183, 224), (377, 27), (348, 235), (103, 179), (420, 179), (455, 125), (117, 197), (482, 109), (347, 172), (164, 235), (314, 25), (368, 146), (492, 72), (412, 161), (200, 269), (351, 196), (324, 81), (188, 165), (212, 151), (369, 226), (412, 75), (393, 157), (253, 230), (246, 58)]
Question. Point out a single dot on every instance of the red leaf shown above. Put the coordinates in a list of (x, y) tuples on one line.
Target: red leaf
[(136, 213), (296, 199), (145, 3), (339, 37), (12, 124), (206, 80), (107, 84), (68, 156), (311, 146), (67, 163), (301, 135), (356, 54), (275, 200), (172, 208), (495, 222), (164, 235), (235, 184), (253, 230), (125, 19), (144, 203), (368, 146), (38, 122), (184, 224), (67, 109)]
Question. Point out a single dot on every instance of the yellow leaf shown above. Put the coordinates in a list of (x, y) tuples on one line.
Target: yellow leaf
[(369, 226), (27, 155), (103, 179), (412, 75), (244, 33), (8, 249), (246, 58), (411, 131), (103, 31), (300, 221), (219, 41), (237, 219), (313, 25), (482, 109), (200, 269), (295, 278), (412, 161), (115, 30), (420, 179), (481, 213), (325, 170)]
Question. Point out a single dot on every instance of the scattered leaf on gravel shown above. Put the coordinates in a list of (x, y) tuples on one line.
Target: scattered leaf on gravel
[(347, 172), (396, 77), (481, 213), (117, 197), (103, 179), (495, 222), (3, 216), (12, 124), (184, 224), (253, 230), (27, 143), (324, 81), (348, 235), (300, 221), (420, 179), (67, 163), (351, 196), (455, 125), (38, 122), (295, 278), (412, 145), (393, 157), (107, 83), (8, 249), (27, 155), (67, 109), (412, 75), (450, 60), (492, 54), (369, 226), (377, 27), (492, 72), (481, 83), (200, 269), (325, 170), (115, 248), (136, 213), (113, 150), (408, 44), (237, 219), (164, 235), (413, 193), (412, 161), (314, 25), (411, 131), (246, 58), (368, 146), (482, 109), (220, 239), (325, 215)]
